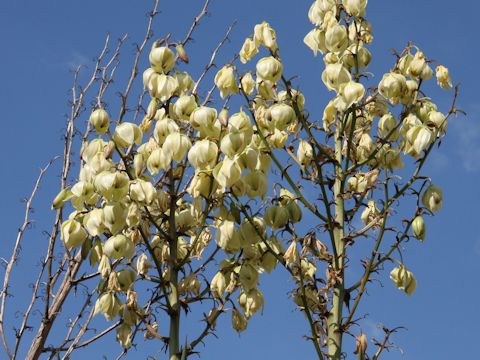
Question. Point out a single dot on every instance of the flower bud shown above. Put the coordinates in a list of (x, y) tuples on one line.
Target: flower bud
[(393, 86), (181, 53), (248, 84), (127, 134), (248, 51), (251, 302), (443, 77), (403, 279), (218, 285), (336, 38), (418, 228), (119, 246), (184, 107), (269, 68), (227, 237), (61, 198), (265, 35), (239, 321), (176, 145), (73, 234), (226, 82), (100, 120), (355, 7), (335, 75), (276, 217), (315, 40), (162, 59), (432, 198)]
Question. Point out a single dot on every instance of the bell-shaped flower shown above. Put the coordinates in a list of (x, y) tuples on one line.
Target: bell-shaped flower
[(184, 107), (119, 246), (265, 35), (126, 134), (73, 233), (143, 192), (393, 86), (335, 75), (100, 120), (203, 154), (248, 51), (226, 82), (336, 38), (162, 59), (403, 279), (276, 217), (432, 198), (228, 237), (176, 145), (269, 68)]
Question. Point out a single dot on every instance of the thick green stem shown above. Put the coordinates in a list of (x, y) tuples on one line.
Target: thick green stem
[(335, 317), (174, 333)]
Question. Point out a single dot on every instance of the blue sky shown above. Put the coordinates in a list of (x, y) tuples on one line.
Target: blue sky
[(43, 41)]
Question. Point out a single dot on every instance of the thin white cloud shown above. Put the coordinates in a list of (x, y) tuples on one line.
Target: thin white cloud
[(467, 131), (76, 60)]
